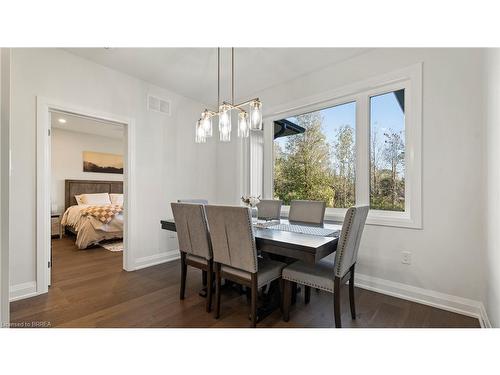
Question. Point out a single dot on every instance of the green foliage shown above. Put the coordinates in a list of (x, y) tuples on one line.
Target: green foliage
[(302, 170), (387, 186), (310, 168), (344, 159)]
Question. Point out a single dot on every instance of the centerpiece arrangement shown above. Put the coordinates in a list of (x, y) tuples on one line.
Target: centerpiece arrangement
[(252, 202)]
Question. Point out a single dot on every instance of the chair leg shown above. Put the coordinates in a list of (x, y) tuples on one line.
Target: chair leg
[(282, 291), (248, 294), (294, 293), (254, 300), (204, 278), (287, 299), (209, 285), (307, 294), (217, 290), (336, 302), (351, 294), (183, 274)]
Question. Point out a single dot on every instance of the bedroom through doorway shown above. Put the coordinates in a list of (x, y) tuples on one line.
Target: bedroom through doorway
[(86, 198)]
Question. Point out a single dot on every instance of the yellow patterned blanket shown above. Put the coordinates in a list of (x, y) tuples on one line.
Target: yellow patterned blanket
[(104, 213)]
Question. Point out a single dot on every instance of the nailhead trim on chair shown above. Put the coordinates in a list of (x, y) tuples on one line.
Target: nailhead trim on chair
[(253, 240), (339, 256), (341, 246), (205, 221), (302, 282)]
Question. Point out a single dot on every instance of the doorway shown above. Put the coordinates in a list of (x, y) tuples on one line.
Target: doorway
[(54, 200), (86, 163)]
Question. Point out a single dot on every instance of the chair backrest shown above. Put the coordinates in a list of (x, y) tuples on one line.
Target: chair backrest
[(192, 229), (347, 248), (312, 212), (196, 201), (232, 236), (269, 209)]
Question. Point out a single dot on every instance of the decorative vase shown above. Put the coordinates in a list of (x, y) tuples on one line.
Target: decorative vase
[(255, 213)]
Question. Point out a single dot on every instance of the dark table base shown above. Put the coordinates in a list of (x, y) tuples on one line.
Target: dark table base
[(270, 301)]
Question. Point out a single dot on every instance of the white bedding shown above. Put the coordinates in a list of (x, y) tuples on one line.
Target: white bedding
[(89, 230)]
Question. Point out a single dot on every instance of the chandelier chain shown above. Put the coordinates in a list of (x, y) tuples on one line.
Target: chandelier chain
[(232, 75), (218, 78)]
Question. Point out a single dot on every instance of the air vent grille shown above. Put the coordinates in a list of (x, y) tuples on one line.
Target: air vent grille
[(160, 105)]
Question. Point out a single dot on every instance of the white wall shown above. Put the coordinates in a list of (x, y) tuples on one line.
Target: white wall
[(168, 164), (67, 159), (4, 186), (492, 136), (447, 252)]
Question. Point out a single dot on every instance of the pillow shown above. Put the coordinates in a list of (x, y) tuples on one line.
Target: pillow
[(116, 198), (79, 199), (96, 199)]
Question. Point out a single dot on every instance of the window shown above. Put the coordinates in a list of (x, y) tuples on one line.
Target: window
[(387, 151), (358, 145), (315, 158)]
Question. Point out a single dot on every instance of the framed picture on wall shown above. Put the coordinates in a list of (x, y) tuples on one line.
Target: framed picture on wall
[(101, 162)]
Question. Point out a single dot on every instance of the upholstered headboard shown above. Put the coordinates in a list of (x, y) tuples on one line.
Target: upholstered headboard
[(76, 187)]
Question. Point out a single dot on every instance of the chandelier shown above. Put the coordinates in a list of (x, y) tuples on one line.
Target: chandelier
[(250, 119)]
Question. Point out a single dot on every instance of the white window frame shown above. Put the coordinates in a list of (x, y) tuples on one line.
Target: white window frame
[(409, 79)]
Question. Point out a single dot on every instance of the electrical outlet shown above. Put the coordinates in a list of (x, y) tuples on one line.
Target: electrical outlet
[(406, 257)]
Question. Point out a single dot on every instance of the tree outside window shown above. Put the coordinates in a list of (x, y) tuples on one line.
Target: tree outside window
[(315, 158), (319, 162)]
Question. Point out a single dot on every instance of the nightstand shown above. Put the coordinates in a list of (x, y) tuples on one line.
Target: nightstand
[(56, 227)]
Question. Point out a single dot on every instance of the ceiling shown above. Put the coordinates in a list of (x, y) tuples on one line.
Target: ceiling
[(87, 125), (192, 72)]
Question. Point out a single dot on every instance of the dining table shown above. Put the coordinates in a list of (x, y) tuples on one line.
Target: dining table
[(288, 241)]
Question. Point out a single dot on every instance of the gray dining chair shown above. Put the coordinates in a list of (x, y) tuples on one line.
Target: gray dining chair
[(269, 209), (195, 201), (310, 212), (194, 244), (203, 202), (235, 253), (330, 273)]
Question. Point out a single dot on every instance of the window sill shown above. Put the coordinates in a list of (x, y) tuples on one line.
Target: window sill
[(375, 217)]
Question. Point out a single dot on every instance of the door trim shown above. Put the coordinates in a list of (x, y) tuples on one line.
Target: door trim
[(43, 190)]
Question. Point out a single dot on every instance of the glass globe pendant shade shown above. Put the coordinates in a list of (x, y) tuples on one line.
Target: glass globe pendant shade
[(243, 127), (256, 115), (200, 136), (206, 121)]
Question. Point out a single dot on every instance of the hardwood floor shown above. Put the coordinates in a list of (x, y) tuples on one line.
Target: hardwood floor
[(90, 289)]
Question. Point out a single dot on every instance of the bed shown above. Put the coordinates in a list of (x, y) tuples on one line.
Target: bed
[(87, 228)]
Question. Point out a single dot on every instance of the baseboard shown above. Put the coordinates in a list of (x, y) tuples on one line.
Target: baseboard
[(21, 291), (484, 320), (156, 259), (432, 298)]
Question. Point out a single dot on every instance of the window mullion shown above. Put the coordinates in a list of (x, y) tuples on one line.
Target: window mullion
[(268, 126), (362, 150)]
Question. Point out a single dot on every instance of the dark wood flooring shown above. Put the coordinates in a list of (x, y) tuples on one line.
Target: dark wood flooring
[(90, 289)]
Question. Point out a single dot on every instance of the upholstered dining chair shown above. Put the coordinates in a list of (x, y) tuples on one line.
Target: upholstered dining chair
[(194, 244), (204, 202), (269, 209), (330, 273), (235, 253), (195, 201), (310, 212)]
